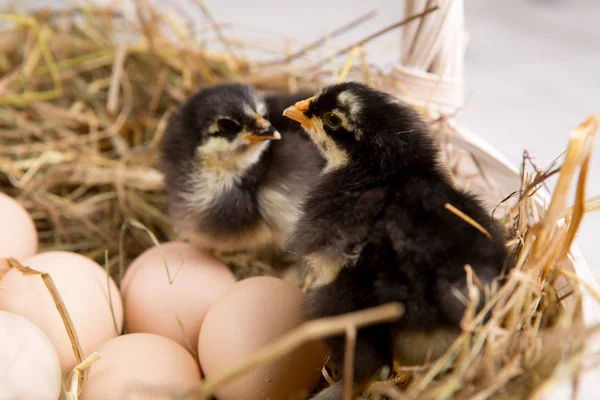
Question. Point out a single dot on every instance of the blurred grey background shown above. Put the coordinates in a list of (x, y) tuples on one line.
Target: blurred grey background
[(532, 66)]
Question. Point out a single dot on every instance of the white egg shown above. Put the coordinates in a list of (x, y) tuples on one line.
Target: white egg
[(29, 367)]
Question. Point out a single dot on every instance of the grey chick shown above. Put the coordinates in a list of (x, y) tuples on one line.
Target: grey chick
[(375, 229), (234, 183)]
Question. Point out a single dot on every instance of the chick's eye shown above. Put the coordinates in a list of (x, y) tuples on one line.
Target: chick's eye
[(227, 125), (332, 119)]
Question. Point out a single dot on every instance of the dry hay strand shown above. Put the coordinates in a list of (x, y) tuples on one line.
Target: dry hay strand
[(86, 94)]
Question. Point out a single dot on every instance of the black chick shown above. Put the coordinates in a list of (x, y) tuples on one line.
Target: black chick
[(375, 229), (232, 185)]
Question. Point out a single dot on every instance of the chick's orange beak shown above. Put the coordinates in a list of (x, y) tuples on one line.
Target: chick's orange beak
[(263, 130), (297, 112)]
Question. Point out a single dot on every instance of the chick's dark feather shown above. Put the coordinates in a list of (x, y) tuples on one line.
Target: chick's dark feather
[(383, 214)]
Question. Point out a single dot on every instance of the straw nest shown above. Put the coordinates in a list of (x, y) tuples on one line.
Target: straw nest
[(85, 96)]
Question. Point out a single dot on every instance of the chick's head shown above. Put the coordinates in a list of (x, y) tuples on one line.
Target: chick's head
[(353, 123), (226, 126)]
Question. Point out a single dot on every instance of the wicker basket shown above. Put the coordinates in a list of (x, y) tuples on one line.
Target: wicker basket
[(431, 75)]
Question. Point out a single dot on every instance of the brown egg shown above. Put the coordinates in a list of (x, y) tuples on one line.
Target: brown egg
[(254, 313), (153, 303), (3, 267), (18, 236), (83, 286), (141, 366)]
